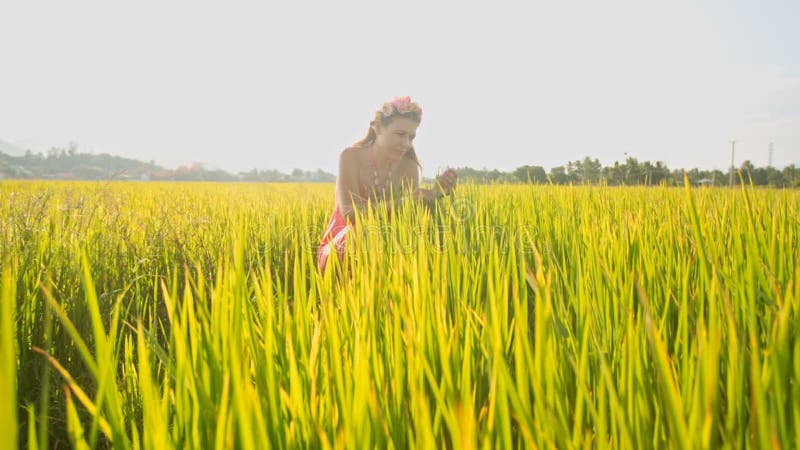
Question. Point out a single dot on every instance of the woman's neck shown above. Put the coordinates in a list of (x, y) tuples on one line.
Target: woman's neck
[(382, 160)]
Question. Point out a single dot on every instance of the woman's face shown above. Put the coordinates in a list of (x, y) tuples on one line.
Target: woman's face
[(395, 139)]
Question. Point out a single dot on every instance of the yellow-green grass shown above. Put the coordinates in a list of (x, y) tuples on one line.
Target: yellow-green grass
[(147, 315)]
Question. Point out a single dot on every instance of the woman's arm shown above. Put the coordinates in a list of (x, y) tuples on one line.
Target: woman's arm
[(347, 185), (445, 184)]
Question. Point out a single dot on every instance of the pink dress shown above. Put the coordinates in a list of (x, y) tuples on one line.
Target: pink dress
[(334, 237), (336, 234)]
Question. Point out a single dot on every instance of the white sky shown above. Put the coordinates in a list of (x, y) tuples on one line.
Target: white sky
[(280, 85)]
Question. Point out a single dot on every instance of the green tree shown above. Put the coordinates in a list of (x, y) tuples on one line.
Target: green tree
[(591, 170), (791, 176), (558, 175), (632, 172), (530, 174)]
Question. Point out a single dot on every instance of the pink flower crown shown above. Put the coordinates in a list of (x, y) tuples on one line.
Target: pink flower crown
[(400, 105)]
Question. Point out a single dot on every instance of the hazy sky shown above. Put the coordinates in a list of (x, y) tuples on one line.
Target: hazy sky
[(280, 85)]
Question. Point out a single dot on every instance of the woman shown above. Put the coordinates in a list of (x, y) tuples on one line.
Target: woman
[(373, 168)]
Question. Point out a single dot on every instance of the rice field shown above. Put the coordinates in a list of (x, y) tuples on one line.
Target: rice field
[(183, 315)]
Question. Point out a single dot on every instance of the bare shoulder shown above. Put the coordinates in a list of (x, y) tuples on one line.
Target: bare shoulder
[(351, 155), (348, 154), (354, 152)]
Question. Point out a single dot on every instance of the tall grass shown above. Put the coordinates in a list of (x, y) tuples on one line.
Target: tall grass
[(192, 315), (8, 357)]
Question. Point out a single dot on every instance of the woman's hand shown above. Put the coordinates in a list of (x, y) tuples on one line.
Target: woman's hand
[(426, 195), (446, 182)]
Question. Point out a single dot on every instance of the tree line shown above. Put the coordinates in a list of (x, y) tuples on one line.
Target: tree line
[(632, 172), (68, 163)]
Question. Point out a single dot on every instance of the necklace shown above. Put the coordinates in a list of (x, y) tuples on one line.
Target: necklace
[(379, 187)]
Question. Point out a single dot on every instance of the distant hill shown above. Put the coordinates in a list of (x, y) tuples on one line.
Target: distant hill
[(10, 149), (63, 164)]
